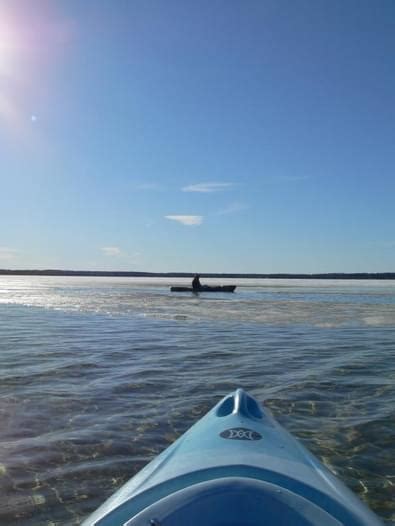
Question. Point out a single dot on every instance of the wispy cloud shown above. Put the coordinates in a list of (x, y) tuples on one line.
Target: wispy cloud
[(232, 208), (111, 251), (7, 253), (207, 187), (186, 220)]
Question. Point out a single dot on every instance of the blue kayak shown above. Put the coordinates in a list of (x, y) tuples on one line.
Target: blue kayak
[(235, 467)]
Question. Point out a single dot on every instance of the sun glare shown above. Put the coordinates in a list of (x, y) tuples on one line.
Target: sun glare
[(8, 45), (14, 45)]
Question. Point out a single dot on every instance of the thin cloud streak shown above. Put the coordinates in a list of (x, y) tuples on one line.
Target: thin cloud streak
[(233, 208), (207, 187), (7, 253), (186, 220), (111, 251)]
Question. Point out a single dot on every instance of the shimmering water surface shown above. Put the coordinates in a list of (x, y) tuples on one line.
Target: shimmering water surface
[(97, 375)]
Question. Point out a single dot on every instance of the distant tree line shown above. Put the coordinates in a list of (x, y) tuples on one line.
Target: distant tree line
[(330, 275)]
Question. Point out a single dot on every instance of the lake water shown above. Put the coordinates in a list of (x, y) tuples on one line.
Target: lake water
[(97, 375)]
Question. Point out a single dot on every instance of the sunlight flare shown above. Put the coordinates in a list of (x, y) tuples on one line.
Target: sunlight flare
[(8, 46), (186, 220)]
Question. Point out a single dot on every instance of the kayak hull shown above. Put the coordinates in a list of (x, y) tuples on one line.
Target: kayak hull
[(235, 466), (205, 288)]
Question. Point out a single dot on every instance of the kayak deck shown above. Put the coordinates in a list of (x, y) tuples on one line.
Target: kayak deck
[(205, 288), (233, 501), (236, 466)]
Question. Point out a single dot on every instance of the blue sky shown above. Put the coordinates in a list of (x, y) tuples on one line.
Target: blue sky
[(221, 136)]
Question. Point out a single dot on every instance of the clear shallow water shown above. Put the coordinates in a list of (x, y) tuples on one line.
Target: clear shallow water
[(97, 375)]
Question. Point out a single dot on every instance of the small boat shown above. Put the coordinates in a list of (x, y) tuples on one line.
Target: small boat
[(205, 288), (236, 466)]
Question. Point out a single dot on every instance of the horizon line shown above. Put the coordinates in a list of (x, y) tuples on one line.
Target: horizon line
[(262, 275)]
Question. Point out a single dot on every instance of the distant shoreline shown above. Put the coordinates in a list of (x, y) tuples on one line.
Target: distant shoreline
[(120, 274)]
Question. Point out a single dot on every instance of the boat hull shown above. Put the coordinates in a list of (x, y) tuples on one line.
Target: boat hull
[(236, 466), (205, 288)]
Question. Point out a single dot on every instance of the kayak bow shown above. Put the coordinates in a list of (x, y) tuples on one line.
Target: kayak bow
[(236, 466)]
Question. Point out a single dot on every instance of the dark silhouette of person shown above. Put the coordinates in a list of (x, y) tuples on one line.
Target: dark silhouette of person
[(196, 282)]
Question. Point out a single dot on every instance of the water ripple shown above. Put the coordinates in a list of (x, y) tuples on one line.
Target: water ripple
[(87, 398)]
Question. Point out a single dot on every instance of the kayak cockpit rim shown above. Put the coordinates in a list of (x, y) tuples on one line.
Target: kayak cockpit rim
[(132, 506)]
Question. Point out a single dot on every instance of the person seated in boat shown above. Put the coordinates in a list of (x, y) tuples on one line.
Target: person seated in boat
[(196, 285)]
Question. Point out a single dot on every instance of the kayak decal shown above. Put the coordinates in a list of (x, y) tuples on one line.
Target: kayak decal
[(240, 433)]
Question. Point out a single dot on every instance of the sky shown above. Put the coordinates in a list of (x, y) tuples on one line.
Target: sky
[(197, 136)]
